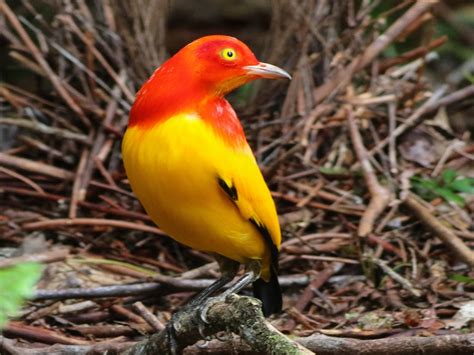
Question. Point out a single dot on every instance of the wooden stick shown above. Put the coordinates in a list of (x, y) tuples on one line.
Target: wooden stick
[(380, 195), (35, 52), (341, 78), (457, 246), (35, 166), (67, 222), (46, 257)]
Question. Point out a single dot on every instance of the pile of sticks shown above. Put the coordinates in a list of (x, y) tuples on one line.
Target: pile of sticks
[(337, 145)]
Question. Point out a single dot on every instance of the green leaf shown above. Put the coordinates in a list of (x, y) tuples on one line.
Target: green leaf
[(334, 171), (462, 278), (449, 195), (448, 176), (16, 285), (428, 184), (463, 185)]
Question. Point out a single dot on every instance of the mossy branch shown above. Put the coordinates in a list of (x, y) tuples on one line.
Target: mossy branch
[(240, 315)]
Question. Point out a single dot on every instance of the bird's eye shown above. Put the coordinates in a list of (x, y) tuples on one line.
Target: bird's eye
[(228, 54)]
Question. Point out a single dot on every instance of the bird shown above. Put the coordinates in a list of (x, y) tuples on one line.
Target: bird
[(188, 161)]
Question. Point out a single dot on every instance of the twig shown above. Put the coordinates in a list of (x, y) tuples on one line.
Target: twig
[(77, 195), (14, 347), (396, 276), (172, 285), (411, 55), (380, 196), (309, 291), (392, 124), (457, 246), (99, 292), (341, 78), (41, 127), (34, 166), (43, 335), (124, 312), (91, 222), (10, 15), (20, 177), (428, 106), (46, 257), (148, 316)]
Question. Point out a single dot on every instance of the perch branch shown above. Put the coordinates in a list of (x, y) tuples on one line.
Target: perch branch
[(240, 315)]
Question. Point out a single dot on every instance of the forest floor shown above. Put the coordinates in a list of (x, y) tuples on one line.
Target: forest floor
[(373, 182)]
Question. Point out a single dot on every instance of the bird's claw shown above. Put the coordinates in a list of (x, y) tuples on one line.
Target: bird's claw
[(203, 321), (203, 309)]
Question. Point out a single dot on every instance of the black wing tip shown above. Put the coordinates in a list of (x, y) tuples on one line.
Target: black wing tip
[(268, 241), (231, 191), (270, 294)]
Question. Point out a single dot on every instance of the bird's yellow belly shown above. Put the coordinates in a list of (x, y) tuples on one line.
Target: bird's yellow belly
[(173, 169)]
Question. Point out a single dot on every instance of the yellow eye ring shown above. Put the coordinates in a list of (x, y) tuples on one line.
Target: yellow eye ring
[(228, 54)]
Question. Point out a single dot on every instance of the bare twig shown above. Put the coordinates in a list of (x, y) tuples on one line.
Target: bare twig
[(10, 15), (172, 285), (341, 78), (380, 196), (397, 277), (457, 246), (63, 222), (428, 106), (42, 128), (46, 257), (33, 166), (148, 316)]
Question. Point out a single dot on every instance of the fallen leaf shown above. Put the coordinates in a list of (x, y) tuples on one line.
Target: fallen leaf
[(463, 316)]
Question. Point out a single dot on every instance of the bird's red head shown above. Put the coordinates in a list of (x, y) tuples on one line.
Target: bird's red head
[(207, 68), (223, 63)]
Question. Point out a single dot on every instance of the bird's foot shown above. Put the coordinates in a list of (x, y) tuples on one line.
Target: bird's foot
[(203, 309), (174, 324)]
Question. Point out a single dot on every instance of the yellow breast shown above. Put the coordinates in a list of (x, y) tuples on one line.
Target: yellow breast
[(174, 167)]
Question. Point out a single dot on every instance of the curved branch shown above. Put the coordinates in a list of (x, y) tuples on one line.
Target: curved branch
[(240, 315)]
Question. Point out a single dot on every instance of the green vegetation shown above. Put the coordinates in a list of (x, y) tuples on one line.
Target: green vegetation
[(461, 278), (448, 186), (16, 285)]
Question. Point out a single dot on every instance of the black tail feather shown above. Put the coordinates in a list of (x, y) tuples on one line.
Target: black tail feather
[(269, 293)]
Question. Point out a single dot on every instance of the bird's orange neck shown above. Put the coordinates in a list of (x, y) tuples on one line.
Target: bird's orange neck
[(169, 92)]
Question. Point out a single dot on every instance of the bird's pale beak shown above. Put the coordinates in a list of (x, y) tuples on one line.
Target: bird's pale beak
[(265, 70)]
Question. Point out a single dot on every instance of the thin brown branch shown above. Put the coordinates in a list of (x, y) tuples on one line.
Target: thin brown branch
[(341, 78), (380, 196), (42, 128), (10, 15), (45, 257), (90, 222), (149, 317), (34, 166), (172, 285), (457, 246)]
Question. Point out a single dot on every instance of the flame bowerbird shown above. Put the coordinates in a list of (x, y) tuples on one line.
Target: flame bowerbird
[(189, 164)]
